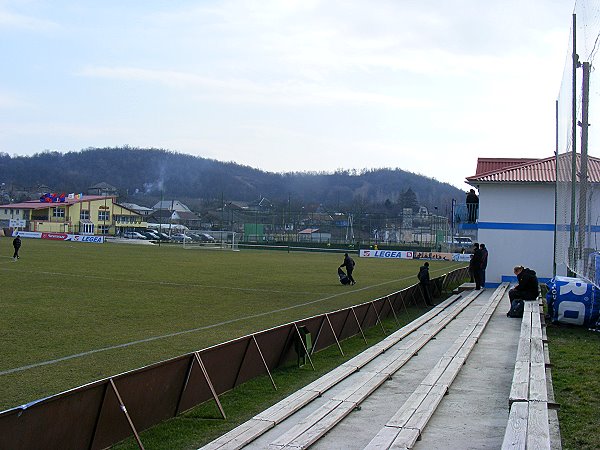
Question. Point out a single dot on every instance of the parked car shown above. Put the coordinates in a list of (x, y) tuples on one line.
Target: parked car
[(133, 235), (150, 235), (205, 237), (181, 238), (164, 236)]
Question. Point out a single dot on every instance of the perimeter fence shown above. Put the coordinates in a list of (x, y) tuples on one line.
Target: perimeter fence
[(102, 413), (422, 228), (578, 173)]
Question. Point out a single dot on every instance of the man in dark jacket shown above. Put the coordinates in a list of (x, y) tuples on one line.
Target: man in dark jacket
[(472, 206), (17, 246), (423, 277), (527, 287), (475, 265), (349, 265), (484, 260)]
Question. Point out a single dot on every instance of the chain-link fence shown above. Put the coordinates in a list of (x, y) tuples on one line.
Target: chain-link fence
[(577, 174), (422, 229)]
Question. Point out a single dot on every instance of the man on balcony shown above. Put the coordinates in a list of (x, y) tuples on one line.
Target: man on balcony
[(472, 206)]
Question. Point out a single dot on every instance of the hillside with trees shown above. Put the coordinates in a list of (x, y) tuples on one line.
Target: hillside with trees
[(144, 175)]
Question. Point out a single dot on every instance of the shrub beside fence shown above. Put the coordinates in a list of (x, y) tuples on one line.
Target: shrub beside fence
[(102, 413)]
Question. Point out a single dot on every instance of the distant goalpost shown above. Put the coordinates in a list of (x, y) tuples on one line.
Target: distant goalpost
[(223, 240)]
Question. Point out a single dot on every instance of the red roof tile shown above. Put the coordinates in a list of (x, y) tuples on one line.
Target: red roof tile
[(485, 165), (538, 171)]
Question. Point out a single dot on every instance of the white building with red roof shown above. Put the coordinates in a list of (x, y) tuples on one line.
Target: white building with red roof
[(517, 213)]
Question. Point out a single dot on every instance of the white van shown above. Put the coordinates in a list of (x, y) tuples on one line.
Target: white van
[(460, 242), (463, 241)]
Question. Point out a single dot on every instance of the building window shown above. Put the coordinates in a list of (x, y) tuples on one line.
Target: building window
[(103, 229), (84, 214), (58, 212), (104, 215), (86, 228)]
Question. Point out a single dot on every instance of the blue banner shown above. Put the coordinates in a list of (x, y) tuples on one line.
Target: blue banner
[(573, 301)]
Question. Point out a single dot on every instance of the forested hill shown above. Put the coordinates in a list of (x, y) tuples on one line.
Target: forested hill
[(140, 174)]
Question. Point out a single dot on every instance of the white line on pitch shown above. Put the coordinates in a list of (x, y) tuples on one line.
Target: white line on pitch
[(163, 283), (193, 330)]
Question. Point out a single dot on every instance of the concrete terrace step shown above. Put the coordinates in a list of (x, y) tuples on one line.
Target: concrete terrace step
[(459, 356), (407, 425), (530, 423)]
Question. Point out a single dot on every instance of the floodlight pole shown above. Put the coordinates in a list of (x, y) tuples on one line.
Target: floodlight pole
[(555, 192), (160, 214), (452, 223), (575, 65), (222, 212), (583, 163), (171, 218)]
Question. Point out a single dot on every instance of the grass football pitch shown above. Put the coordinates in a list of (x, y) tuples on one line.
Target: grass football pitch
[(73, 313)]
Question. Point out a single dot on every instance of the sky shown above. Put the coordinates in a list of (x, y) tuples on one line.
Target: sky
[(427, 86)]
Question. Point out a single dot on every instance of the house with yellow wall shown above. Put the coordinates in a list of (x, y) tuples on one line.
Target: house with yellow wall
[(77, 214)]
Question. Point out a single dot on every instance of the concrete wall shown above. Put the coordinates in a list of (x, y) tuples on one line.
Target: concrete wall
[(516, 223)]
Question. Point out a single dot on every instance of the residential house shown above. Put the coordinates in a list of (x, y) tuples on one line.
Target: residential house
[(263, 204), (187, 218), (104, 189), (171, 205), (175, 213), (141, 210)]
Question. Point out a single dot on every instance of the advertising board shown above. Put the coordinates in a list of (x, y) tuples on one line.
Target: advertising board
[(60, 236), (390, 254), (442, 256), (397, 254)]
